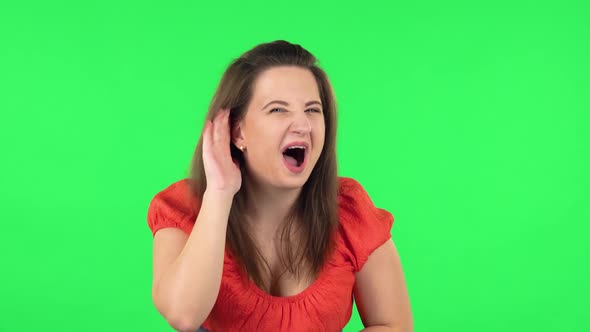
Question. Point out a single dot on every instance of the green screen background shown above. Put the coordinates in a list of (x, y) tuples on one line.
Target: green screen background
[(467, 120)]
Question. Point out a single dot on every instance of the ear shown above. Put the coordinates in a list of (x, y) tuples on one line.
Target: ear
[(238, 137)]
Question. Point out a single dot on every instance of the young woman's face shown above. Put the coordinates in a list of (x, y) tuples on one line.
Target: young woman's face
[(283, 129)]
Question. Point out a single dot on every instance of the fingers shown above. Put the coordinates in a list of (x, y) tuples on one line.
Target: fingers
[(207, 136), (221, 128), (216, 132)]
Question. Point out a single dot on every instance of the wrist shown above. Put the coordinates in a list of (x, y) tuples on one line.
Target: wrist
[(218, 197)]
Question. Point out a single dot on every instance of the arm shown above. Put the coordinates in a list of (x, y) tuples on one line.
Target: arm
[(380, 292), (187, 269)]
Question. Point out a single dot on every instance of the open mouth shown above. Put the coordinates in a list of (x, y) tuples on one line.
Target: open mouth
[(294, 155)]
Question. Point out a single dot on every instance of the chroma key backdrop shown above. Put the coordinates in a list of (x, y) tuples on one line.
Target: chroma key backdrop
[(467, 120)]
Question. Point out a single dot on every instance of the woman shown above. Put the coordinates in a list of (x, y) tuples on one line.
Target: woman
[(264, 236)]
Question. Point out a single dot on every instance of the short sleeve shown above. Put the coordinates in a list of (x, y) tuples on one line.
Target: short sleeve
[(173, 207), (363, 226)]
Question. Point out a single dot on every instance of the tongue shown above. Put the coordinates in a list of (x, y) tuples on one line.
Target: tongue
[(292, 161)]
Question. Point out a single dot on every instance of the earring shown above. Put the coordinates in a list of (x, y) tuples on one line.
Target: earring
[(242, 148)]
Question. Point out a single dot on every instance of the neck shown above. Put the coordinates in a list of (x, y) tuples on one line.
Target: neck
[(268, 206)]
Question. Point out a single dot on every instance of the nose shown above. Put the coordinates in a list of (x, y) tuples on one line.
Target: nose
[(301, 124)]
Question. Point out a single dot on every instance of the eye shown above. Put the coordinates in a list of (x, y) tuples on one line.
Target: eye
[(276, 109), (314, 110)]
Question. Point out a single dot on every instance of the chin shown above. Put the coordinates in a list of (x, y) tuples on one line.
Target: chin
[(294, 183), (288, 180)]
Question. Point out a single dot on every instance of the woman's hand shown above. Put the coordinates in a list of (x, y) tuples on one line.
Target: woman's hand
[(223, 173)]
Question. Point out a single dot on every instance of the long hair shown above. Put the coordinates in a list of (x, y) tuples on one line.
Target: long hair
[(315, 212)]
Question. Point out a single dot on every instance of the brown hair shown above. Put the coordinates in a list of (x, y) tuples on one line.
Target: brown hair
[(315, 212)]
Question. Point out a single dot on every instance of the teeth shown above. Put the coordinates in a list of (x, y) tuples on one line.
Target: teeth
[(296, 147)]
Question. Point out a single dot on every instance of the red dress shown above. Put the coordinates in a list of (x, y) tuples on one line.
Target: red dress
[(326, 305)]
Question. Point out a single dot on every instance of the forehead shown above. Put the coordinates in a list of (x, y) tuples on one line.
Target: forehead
[(286, 82)]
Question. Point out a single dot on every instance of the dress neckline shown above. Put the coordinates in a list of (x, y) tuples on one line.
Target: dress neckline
[(252, 287)]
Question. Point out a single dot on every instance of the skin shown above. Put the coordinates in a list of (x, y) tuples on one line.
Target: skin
[(381, 294), (181, 292), (380, 290), (267, 128)]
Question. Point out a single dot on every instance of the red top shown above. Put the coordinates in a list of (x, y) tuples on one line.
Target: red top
[(326, 305)]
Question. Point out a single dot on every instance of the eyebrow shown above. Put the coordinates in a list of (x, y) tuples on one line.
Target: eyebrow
[(287, 104)]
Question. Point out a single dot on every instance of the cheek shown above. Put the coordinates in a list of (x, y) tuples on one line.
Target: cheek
[(319, 132), (264, 145)]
